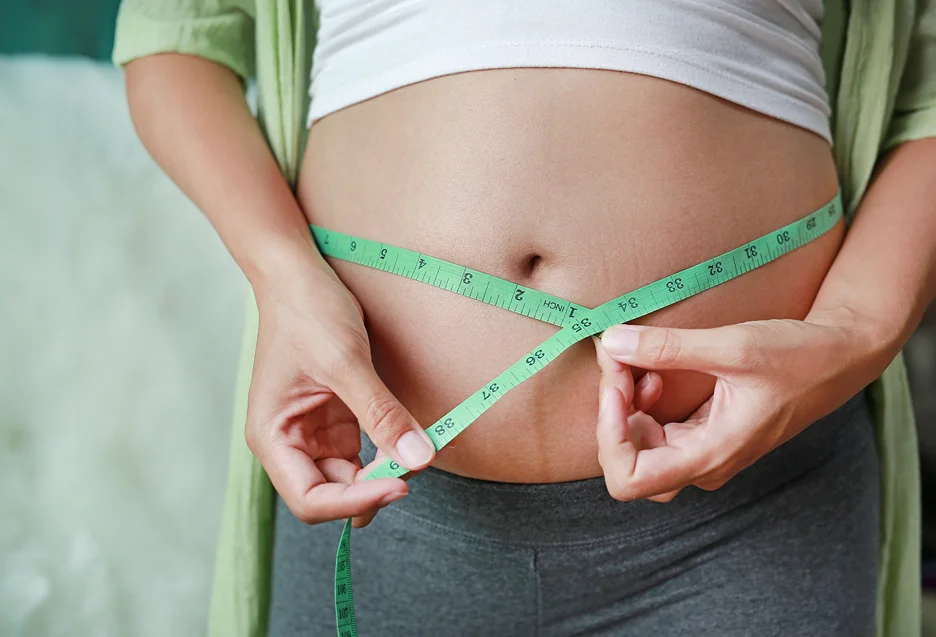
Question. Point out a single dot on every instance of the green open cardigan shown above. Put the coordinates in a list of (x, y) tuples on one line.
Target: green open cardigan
[(880, 61)]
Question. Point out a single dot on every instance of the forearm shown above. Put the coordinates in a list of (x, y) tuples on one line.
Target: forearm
[(192, 117), (885, 274)]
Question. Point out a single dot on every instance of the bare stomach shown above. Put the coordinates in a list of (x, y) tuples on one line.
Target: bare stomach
[(584, 184)]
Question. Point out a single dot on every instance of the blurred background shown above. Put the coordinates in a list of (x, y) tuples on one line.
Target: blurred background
[(121, 328), (121, 320)]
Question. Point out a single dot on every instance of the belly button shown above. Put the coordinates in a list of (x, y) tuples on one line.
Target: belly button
[(533, 262)]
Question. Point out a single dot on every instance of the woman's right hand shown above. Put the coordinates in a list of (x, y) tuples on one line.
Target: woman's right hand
[(314, 388)]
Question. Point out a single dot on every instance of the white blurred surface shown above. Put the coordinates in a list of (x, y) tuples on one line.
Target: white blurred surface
[(121, 315)]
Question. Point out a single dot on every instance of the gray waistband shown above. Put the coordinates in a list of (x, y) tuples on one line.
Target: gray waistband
[(583, 512)]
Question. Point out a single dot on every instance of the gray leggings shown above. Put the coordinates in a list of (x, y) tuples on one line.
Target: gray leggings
[(788, 547)]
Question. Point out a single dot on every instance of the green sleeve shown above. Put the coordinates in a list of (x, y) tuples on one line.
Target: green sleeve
[(218, 30), (915, 109)]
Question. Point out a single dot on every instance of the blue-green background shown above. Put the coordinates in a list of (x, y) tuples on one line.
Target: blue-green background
[(58, 27)]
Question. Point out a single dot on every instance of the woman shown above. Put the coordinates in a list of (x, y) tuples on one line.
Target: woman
[(497, 169)]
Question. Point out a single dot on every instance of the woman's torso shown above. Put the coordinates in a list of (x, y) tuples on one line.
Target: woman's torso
[(581, 183)]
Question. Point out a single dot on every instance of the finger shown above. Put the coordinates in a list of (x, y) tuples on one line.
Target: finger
[(648, 391), (657, 473), (379, 458), (665, 497), (613, 374), (312, 498), (616, 453), (663, 471), (360, 521), (621, 441), (644, 394), (337, 470), (387, 423), (606, 364), (706, 350), (644, 431), (632, 472), (342, 437), (363, 520)]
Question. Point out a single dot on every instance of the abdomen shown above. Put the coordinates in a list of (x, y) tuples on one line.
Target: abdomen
[(581, 183)]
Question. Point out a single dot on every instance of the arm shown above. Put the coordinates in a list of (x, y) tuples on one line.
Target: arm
[(774, 378), (192, 117), (884, 277), (314, 384)]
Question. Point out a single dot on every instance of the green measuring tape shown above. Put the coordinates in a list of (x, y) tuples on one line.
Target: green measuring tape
[(577, 323)]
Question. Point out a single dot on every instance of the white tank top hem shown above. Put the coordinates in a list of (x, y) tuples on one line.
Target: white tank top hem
[(662, 64), (763, 55)]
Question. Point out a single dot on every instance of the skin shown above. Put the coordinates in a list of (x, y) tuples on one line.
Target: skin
[(320, 376)]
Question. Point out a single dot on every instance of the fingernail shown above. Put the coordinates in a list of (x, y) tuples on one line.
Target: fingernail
[(390, 497), (413, 449), (620, 340)]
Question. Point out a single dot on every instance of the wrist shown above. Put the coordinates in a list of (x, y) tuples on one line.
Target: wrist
[(874, 337), (283, 263)]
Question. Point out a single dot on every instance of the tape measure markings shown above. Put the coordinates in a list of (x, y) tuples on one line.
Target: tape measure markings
[(576, 322), (496, 291)]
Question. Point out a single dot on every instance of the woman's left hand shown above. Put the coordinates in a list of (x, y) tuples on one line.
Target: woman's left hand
[(773, 378)]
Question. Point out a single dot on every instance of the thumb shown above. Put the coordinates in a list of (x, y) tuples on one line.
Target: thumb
[(706, 350), (613, 374), (385, 421)]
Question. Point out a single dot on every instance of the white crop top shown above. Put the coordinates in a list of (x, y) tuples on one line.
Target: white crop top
[(761, 54)]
